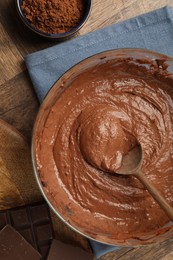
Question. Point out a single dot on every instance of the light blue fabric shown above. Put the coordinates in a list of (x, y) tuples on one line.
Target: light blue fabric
[(152, 31), (100, 249)]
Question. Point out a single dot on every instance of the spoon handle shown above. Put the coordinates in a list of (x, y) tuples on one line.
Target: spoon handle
[(157, 196)]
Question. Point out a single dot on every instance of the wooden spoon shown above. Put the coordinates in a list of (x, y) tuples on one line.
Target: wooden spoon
[(131, 165)]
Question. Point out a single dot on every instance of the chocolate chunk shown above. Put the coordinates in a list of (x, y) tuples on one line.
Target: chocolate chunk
[(61, 251), (14, 246), (33, 222)]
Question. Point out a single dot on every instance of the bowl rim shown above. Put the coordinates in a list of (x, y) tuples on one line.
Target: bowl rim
[(57, 36), (36, 174)]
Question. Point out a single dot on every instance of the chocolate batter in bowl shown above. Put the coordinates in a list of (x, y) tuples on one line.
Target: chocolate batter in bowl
[(93, 115)]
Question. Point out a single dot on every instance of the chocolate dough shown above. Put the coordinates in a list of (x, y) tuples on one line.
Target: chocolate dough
[(103, 114)]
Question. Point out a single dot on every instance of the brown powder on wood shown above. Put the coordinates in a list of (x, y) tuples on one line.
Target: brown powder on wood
[(53, 16)]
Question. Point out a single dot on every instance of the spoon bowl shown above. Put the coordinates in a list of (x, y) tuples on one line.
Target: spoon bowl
[(131, 161)]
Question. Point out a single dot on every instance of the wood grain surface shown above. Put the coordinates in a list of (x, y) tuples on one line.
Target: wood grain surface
[(18, 102)]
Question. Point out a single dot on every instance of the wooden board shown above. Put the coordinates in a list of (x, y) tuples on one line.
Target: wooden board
[(17, 185), (9, 193)]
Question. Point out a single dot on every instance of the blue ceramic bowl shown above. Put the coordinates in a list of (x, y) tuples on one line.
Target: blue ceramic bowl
[(58, 36)]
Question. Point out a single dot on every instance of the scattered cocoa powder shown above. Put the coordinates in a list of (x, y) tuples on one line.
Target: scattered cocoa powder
[(53, 16)]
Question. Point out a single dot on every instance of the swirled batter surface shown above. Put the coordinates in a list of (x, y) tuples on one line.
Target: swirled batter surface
[(98, 119)]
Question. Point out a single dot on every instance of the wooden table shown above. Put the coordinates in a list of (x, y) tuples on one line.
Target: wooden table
[(18, 102)]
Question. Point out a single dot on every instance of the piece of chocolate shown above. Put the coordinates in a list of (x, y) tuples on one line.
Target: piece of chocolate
[(62, 251), (33, 222), (14, 246)]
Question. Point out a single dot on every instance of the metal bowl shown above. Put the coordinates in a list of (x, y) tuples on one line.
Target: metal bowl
[(58, 36), (63, 82)]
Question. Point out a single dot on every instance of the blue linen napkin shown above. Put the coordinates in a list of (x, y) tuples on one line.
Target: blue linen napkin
[(152, 31)]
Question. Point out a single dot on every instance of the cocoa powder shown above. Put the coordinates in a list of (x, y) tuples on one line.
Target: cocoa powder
[(53, 16)]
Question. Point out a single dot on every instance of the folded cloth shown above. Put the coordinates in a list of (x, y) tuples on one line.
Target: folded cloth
[(152, 31)]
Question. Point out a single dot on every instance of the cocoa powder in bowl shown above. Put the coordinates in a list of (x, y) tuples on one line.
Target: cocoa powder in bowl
[(53, 16)]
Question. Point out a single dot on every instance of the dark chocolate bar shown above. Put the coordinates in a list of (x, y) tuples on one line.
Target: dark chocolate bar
[(14, 246), (59, 251), (33, 222)]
